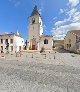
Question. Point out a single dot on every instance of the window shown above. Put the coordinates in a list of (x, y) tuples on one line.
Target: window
[(11, 48), (1, 49), (77, 46), (33, 20), (19, 48), (1, 41), (68, 45), (69, 40), (11, 40), (45, 41), (6, 41), (22, 41)]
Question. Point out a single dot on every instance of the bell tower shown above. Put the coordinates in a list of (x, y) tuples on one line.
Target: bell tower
[(35, 28)]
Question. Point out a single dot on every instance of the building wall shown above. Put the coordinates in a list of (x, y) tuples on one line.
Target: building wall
[(4, 44), (79, 45), (41, 26), (46, 46), (72, 37), (17, 41), (58, 43), (35, 30)]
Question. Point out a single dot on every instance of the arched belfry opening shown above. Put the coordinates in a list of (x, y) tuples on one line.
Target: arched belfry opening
[(45, 41)]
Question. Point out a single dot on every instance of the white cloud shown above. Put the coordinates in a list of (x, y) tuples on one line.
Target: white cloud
[(45, 28), (69, 27), (72, 22), (74, 3), (59, 23), (74, 15), (15, 2), (61, 11), (42, 6), (54, 18), (62, 30), (40, 11), (72, 12), (6, 32)]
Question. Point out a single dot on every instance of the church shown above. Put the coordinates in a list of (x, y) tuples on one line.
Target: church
[(36, 37)]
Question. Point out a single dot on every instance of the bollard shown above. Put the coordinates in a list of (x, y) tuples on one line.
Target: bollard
[(45, 56), (20, 53), (54, 56), (16, 54), (32, 55)]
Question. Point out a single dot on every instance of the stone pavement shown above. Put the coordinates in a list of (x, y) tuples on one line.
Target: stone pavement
[(35, 72)]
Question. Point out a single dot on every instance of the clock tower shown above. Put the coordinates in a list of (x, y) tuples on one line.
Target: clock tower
[(35, 29)]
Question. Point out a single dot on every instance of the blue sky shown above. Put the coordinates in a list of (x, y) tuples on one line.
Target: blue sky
[(59, 16)]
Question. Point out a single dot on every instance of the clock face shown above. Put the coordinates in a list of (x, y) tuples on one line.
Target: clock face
[(33, 20)]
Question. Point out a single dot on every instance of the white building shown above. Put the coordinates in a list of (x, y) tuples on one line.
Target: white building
[(11, 43), (37, 39)]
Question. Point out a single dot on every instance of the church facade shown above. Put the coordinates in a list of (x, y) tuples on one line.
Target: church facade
[(36, 37)]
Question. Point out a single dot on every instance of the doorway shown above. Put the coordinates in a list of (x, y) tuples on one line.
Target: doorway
[(33, 47), (34, 44)]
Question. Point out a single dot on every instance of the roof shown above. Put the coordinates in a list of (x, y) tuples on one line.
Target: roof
[(77, 32), (6, 34), (46, 36), (11, 34), (35, 11)]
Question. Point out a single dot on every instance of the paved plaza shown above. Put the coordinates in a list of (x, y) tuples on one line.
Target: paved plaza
[(40, 72)]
